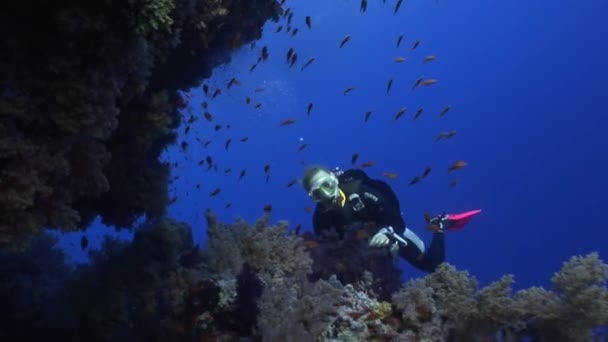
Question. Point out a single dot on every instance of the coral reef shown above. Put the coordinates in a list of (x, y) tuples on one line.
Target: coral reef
[(160, 287), (89, 97)]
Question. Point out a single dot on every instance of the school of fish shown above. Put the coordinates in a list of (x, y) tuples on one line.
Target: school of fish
[(288, 25)]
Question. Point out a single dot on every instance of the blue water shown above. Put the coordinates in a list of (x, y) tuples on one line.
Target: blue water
[(526, 82)]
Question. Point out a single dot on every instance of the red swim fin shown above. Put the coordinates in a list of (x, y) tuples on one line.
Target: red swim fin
[(458, 221)]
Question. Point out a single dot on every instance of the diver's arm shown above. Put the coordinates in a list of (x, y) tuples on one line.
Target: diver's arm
[(386, 211)]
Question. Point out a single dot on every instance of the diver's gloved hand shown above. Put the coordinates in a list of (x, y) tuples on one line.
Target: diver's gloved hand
[(440, 223), (381, 238)]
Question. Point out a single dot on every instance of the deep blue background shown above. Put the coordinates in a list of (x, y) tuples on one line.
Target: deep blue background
[(527, 85)]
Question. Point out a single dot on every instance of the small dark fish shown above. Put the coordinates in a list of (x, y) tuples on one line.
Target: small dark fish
[(399, 39), (244, 139), (415, 45), (354, 158), (349, 89), (228, 205), (453, 183), (248, 100), (389, 85), (227, 171), (266, 168), (217, 127), (308, 62), (209, 162), (257, 106), (308, 21), (206, 89), (208, 116), (344, 40), (302, 147), (201, 162), (297, 229), (279, 29), (184, 145), (289, 53), (418, 82), (253, 67), (216, 93), (84, 243), (293, 60), (289, 18), (204, 105), (415, 180), (294, 32), (287, 122), (418, 113), (291, 183), (400, 113), (206, 143), (397, 5), (427, 171), (265, 53), (363, 6), (399, 59), (242, 174), (367, 115), (309, 109), (215, 192), (445, 110), (227, 144), (267, 208), (259, 90)]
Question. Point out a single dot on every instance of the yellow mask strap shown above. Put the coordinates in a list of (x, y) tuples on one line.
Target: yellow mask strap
[(342, 198)]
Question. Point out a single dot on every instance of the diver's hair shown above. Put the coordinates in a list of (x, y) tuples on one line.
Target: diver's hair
[(309, 173)]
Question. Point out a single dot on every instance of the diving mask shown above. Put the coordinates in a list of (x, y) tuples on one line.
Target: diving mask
[(324, 188)]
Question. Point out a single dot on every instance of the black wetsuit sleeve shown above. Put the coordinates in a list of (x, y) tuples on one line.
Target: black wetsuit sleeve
[(383, 206)]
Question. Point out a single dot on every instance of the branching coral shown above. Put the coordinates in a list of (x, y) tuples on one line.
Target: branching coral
[(448, 305)]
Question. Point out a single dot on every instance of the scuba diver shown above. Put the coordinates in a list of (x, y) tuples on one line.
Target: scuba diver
[(345, 197)]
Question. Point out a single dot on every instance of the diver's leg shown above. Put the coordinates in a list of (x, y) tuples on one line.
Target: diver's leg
[(422, 258)]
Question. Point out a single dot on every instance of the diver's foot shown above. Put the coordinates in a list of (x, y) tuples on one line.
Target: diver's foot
[(443, 222)]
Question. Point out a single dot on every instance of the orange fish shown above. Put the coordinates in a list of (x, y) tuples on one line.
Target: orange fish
[(457, 165), (429, 58), (428, 82), (390, 175), (311, 244), (399, 59), (287, 122), (367, 164)]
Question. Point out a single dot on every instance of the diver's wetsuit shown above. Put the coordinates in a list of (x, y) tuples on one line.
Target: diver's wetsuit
[(373, 200)]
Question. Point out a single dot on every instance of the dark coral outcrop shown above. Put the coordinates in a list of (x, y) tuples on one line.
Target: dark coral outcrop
[(89, 97)]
